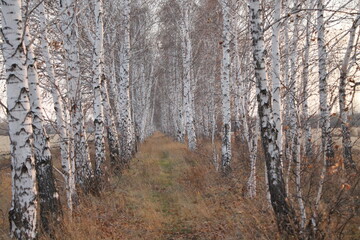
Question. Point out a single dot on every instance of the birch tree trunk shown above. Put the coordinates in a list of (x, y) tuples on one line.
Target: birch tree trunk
[(23, 212), (285, 214), (97, 85), (225, 87), (126, 127), (293, 119), (80, 151), (187, 75), (326, 139), (275, 73), (346, 137), (50, 207), (179, 101)]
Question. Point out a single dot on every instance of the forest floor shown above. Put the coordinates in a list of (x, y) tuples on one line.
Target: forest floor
[(167, 193), (171, 193)]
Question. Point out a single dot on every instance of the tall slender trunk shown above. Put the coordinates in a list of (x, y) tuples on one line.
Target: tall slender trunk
[(187, 75), (126, 127), (50, 207), (326, 139), (23, 212), (285, 214), (293, 119), (225, 87), (97, 85), (275, 73)]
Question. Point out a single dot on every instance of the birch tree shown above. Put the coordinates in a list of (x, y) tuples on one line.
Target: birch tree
[(293, 116), (126, 127), (225, 86), (275, 72), (23, 212), (326, 139), (283, 211), (98, 59), (187, 73)]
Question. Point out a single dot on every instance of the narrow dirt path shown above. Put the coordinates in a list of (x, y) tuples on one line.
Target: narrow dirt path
[(155, 184)]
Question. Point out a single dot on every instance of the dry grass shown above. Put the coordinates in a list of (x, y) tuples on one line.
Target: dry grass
[(5, 201), (171, 193)]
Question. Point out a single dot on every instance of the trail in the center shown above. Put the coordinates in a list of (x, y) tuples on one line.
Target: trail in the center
[(156, 185)]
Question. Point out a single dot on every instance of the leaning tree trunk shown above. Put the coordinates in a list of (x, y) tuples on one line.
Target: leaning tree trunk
[(23, 212), (285, 214), (326, 139), (225, 86), (50, 207)]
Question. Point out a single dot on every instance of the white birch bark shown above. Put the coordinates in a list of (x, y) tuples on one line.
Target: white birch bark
[(126, 127), (80, 152), (50, 207), (23, 212), (179, 100), (98, 77), (187, 74), (225, 87), (275, 73), (67, 170), (326, 139)]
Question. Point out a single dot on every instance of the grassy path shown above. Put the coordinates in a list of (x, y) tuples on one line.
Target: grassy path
[(167, 193), (156, 183)]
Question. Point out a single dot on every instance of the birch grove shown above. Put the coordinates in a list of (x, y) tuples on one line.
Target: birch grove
[(261, 98)]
